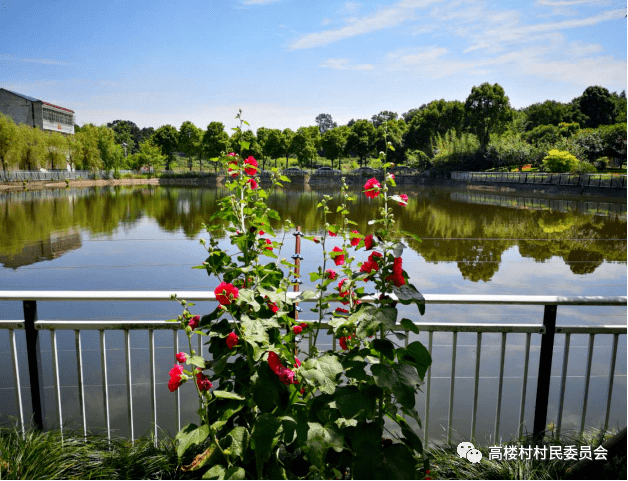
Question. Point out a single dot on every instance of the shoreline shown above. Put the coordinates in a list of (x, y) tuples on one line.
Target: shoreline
[(313, 181)]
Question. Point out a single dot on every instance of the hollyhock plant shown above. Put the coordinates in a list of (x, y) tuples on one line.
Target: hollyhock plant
[(339, 259), (368, 242), (332, 234), (355, 240), (404, 198), (250, 166), (297, 329), (232, 340), (343, 342), (372, 188), (194, 322), (269, 245), (252, 183), (226, 293), (181, 357), (331, 274)]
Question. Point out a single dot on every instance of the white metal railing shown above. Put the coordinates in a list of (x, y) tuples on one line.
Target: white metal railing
[(581, 180), (547, 330)]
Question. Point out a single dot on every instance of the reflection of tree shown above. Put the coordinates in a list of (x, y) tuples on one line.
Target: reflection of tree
[(431, 213)]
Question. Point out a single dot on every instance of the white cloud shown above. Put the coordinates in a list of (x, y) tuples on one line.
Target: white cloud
[(384, 18), (413, 57), (343, 64), (570, 3), (41, 61), (350, 7)]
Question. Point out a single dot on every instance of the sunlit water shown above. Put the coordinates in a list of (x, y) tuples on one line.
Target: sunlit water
[(146, 238)]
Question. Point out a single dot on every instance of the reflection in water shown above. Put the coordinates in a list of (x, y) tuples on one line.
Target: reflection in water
[(56, 245), (471, 229)]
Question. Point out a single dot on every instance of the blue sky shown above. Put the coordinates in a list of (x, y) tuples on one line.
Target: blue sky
[(283, 62)]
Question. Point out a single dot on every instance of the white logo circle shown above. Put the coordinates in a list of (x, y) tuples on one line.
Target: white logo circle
[(467, 450)]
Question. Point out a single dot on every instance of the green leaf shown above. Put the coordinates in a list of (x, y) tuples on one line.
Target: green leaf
[(314, 276), (244, 144), (385, 347), (228, 395), (370, 318), (265, 435), (215, 472), (408, 325), (196, 361), (400, 379), (305, 295), (189, 435), (407, 294), (410, 234), (319, 440), (397, 463), (235, 472), (240, 439), (354, 404), (420, 357)]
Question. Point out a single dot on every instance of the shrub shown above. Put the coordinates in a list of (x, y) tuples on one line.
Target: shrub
[(559, 161), (584, 167)]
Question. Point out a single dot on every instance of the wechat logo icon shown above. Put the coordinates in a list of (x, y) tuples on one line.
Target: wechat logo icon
[(467, 450)]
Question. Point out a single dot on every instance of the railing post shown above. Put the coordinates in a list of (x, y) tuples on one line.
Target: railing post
[(33, 354), (545, 370)]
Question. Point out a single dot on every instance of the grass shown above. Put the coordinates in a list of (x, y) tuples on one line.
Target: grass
[(45, 455), (446, 464)]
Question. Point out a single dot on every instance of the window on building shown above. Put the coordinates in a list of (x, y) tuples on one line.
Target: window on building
[(57, 117)]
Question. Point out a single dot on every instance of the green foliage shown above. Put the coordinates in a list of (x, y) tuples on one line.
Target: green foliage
[(560, 161), (361, 139), (455, 151), (509, 150), (9, 142), (418, 159), (584, 167), (487, 110), (550, 112), (166, 138), (428, 121), (190, 139), (598, 105), (334, 141), (278, 417)]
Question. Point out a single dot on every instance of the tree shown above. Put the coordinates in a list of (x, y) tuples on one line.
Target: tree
[(246, 136), (304, 144), (167, 138), (148, 154), (73, 146), (274, 144), (325, 122), (215, 141), (286, 143), (145, 134), (392, 131), (125, 132), (550, 112), (361, 139), (598, 105), (487, 110), (88, 155), (383, 116), (9, 138), (32, 147), (189, 138), (428, 121), (56, 149), (334, 142), (111, 153), (262, 139)]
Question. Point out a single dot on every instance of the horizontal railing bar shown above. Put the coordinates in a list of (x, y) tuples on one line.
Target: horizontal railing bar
[(210, 296)]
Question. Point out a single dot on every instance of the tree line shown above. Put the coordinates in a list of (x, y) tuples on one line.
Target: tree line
[(483, 132)]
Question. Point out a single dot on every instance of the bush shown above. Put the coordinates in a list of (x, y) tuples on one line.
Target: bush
[(418, 159), (601, 163), (585, 167), (559, 161)]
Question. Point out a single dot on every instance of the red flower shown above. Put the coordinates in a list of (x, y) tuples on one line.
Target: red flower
[(250, 166), (317, 240), (304, 325), (297, 363), (273, 362), (355, 240), (405, 199), (340, 258), (332, 234), (261, 232), (181, 357), (176, 370), (232, 340), (272, 306), (202, 382), (286, 376), (174, 384), (368, 242), (369, 267), (232, 154), (371, 188), (194, 322), (340, 310), (397, 275), (226, 293), (343, 342), (252, 183), (269, 246), (297, 329), (331, 274), (375, 256)]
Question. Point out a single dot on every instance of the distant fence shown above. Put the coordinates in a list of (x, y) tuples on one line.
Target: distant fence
[(575, 180), (21, 175)]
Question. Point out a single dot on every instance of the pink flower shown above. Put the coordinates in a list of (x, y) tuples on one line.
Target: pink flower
[(226, 293), (343, 342), (181, 357), (250, 166), (232, 154), (252, 183), (297, 363), (405, 199), (174, 384), (202, 382), (194, 322), (355, 240), (340, 258), (331, 274), (232, 340), (297, 329), (368, 242), (317, 240), (332, 234), (177, 370), (286, 376), (371, 188)]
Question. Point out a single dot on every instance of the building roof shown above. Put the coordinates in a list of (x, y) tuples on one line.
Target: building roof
[(32, 99)]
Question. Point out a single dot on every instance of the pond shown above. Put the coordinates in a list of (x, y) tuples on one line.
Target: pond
[(473, 242)]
